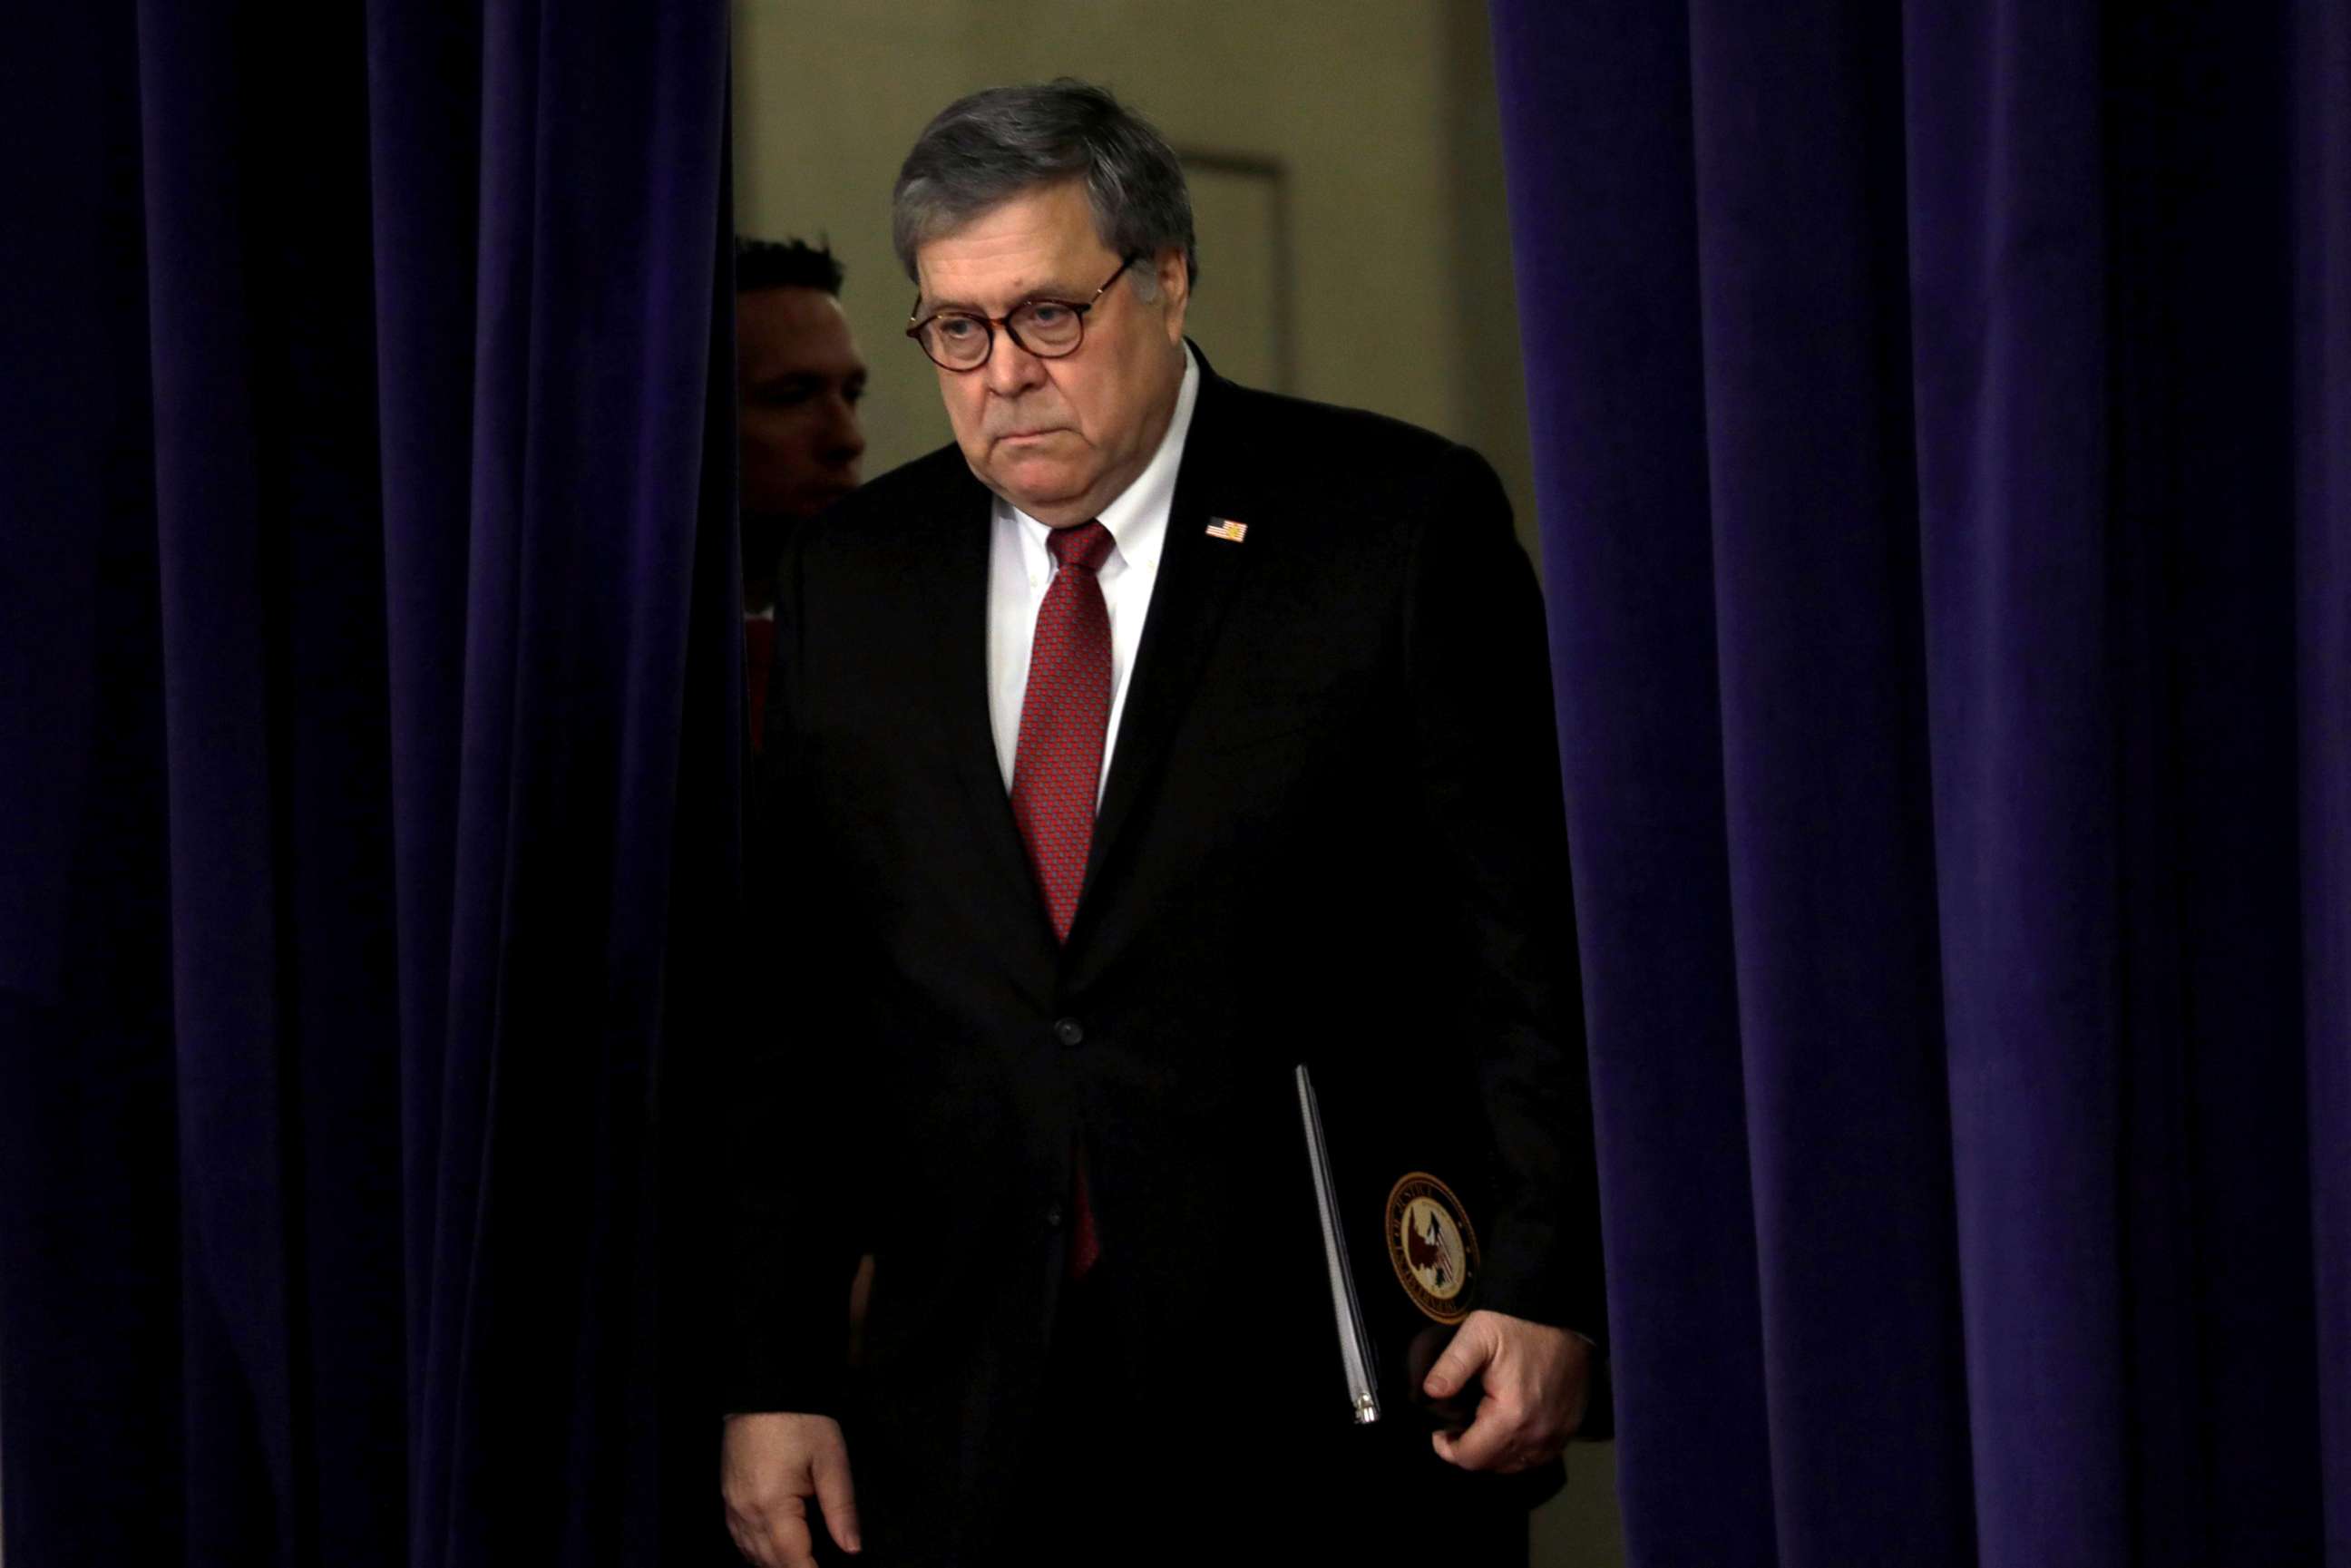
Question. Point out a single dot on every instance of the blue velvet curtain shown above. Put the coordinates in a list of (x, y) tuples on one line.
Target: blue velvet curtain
[(1943, 430), (369, 776)]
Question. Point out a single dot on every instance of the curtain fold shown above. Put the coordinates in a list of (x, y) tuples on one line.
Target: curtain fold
[(376, 678), (1940, 429), (2320, 170)]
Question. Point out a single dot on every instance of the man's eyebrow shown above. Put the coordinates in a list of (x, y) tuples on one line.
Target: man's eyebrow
[(1066, 293)]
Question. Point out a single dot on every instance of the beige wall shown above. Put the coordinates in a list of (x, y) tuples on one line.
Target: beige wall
[(1380, 111)]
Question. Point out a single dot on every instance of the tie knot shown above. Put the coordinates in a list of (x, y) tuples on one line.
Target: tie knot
[(1085, 545)]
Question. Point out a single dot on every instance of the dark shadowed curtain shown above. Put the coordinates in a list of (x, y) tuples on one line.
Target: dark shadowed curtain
[(1942, 416), (368, 775)]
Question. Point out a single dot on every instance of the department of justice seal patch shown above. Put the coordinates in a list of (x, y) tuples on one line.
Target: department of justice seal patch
[(1432, 1247)]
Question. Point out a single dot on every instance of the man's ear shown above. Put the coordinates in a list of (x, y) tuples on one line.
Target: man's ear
[(1174, 288)]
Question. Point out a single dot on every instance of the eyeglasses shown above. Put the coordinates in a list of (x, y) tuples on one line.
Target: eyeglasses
[(1049, 328)]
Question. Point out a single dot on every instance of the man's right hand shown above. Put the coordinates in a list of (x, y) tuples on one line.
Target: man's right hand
[(771, 1466)]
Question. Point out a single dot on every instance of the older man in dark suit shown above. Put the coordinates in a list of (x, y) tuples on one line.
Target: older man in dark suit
[(1157, 737)]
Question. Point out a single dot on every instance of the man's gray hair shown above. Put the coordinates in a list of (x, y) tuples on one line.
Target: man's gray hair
[(1004, 141)]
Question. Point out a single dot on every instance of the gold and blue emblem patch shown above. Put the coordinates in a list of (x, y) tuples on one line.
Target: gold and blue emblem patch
[(1432, 1247)]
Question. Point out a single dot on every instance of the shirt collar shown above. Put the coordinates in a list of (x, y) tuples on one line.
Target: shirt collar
[(1137, 521)]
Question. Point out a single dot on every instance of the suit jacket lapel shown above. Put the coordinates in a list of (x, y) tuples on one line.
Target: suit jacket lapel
[(1197, 574)]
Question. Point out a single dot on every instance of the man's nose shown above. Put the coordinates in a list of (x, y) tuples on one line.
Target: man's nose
[(844, 436), (1010, 368)]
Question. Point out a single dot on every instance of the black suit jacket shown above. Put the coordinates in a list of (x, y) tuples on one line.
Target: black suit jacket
[(1331, 833)]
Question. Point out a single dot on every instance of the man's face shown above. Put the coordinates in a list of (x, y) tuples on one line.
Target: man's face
[(1059, 438), (799, 379)]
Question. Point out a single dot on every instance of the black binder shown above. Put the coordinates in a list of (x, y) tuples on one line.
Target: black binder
[(1399, 1211)]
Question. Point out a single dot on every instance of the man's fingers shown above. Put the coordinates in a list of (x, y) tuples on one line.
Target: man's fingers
[(789, 1538), (772, 1464), (1490, 1439), (775, 1537), (1505, 1437), (1537, 1382), (1472, 1348), (837, 1496)]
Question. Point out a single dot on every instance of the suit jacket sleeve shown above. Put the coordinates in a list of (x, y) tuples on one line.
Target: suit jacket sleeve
[(1485, 743), (788, 1246)]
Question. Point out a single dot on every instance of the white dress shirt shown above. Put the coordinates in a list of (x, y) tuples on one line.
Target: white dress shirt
[(1019, 569)]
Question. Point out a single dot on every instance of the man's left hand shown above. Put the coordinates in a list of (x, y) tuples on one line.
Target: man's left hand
[(1537, 1380)]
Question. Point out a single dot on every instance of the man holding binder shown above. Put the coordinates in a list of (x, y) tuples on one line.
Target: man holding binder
[(1155, 739)]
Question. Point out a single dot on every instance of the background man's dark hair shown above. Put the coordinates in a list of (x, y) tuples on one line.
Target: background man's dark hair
[(785, 264)]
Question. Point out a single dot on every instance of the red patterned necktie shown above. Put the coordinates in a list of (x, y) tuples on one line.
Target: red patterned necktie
[(1057, 764)]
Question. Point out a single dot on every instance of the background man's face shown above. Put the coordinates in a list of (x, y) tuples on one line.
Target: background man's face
[(1058, 438), (799, 379)]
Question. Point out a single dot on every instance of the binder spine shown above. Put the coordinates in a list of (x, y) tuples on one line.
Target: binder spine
[(1346, 1311)]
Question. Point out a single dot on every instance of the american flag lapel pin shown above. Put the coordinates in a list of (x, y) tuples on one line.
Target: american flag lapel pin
[(1225, 529)]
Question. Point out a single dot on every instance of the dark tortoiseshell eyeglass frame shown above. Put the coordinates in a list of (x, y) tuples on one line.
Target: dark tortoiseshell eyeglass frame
[(926, 337)]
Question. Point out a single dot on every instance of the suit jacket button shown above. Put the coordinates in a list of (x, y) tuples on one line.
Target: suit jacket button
[(1069, 1031), (1053, 1217)]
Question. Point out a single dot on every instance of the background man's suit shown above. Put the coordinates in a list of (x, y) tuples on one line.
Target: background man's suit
[(1331, 832)]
